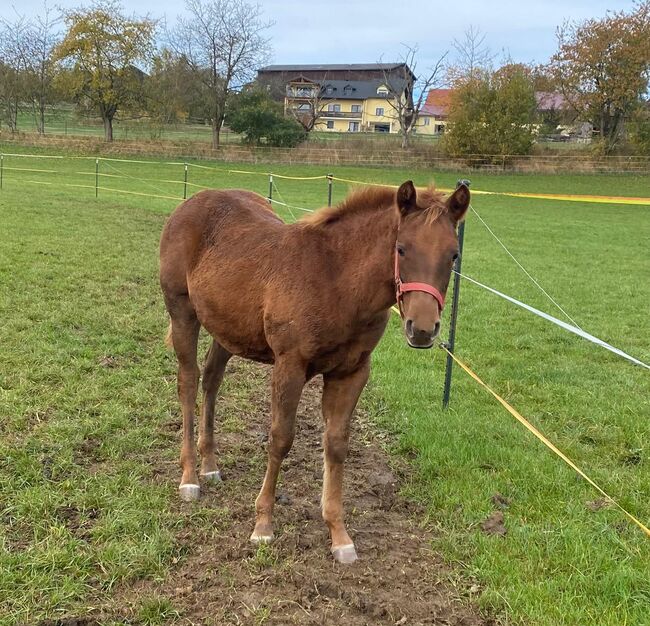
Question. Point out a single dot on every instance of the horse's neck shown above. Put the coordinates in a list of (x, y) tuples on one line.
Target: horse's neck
[(366, 245)]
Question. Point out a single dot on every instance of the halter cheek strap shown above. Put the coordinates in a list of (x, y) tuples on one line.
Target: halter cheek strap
[(402, 288)]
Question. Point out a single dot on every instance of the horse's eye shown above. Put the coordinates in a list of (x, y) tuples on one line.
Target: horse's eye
[(455, 257), (400, 249)]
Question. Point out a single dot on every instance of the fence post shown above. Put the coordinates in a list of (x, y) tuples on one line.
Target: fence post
[(270, 198), (454, 310), (2, 158), (329, 189), (185, 184), (96, 177)]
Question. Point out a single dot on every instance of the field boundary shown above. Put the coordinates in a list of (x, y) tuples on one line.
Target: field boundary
[(420, 156)]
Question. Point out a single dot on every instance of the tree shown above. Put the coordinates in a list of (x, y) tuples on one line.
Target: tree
[(256, 116), (472, 57), (172, 92), (603, 67), (103, 48), (402, 87), (223, 43), (44, 41), (492, 113), (305, 104), (14, 59)]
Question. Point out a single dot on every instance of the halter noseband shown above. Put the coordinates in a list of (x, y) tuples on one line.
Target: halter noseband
[(402, 288)]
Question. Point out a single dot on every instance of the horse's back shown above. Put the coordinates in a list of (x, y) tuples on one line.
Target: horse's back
[(216, 248)]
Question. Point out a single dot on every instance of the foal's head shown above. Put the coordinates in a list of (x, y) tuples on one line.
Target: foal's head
[(426, 248)]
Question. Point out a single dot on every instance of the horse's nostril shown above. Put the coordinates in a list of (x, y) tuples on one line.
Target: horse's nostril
[(436, 329), (409, 328)]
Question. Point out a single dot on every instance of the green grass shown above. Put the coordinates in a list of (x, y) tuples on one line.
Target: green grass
[(86, 384)]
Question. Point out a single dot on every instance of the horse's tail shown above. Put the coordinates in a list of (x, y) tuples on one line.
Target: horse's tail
[(168, 337)]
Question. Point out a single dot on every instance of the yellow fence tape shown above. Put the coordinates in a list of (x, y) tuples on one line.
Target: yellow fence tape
[(546, 442)]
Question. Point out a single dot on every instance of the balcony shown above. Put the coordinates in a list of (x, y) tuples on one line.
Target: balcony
[(341, 114)]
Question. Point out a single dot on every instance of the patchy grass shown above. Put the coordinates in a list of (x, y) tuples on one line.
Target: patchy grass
[(87, 387)]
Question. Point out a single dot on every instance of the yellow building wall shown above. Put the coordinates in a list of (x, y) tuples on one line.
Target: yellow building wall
[(370, 116)]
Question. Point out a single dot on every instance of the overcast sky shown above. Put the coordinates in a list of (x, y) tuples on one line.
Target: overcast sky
[(349, 31)]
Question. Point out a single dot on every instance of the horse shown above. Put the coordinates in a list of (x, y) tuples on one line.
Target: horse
[(312, 297)]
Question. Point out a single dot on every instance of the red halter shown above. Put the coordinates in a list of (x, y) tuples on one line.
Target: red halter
[(401, 288)]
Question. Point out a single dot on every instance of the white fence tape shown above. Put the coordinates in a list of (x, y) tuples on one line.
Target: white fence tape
[(573, 329)]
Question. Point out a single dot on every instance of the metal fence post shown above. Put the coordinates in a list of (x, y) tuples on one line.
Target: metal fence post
[(454, 310), (185, 184), (96, 177), (329, 189), (270, 198)]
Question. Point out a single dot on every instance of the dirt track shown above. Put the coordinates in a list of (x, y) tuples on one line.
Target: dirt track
[(225, 580)]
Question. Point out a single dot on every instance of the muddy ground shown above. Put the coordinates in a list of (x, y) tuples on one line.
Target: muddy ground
[(223, 579)]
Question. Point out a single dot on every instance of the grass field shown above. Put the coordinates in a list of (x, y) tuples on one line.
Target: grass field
[(85, 379)]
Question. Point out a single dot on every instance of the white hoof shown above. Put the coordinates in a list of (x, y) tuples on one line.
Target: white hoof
[(189, 492), (212, 477), (345, 554), (259, 539)]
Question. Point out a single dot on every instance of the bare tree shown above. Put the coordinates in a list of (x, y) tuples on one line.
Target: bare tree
[(44, 40), (306, 107), (472, 56), (407, 92), (223, 43), (14, 64)]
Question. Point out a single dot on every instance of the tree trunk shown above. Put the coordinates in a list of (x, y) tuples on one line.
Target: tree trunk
[(405, 140), (216, 131), (108, 128), (41, 112)]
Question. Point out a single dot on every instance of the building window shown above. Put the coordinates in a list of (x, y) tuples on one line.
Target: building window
[(329, 89), (353, 127), (330, 124), (334, 108), (355, 108), (382, 90), (425, 121), (379, 111)]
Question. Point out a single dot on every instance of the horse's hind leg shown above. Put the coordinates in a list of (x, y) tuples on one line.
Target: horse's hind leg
[(213, 371), (286, 387), (340, 396), (185, 335)]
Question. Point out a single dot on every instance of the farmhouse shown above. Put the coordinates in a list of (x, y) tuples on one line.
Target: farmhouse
[(342, 97)]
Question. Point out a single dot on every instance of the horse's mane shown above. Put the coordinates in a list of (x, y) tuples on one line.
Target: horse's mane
[(373, 198)]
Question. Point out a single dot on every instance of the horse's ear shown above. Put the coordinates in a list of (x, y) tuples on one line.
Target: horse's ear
[(406, 198), (458, 202)]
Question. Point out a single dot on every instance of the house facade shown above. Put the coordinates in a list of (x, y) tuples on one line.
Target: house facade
[(344, 106), (340, 98)]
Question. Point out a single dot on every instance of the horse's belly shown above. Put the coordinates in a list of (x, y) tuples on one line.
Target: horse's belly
[(240, 330)]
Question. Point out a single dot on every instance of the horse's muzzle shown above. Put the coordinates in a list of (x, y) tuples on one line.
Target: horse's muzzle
[(419, 338)]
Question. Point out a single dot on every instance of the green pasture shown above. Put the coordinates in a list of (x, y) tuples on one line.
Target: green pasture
[(86, 386)]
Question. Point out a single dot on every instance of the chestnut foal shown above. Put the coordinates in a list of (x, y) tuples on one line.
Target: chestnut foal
[(312, 297)]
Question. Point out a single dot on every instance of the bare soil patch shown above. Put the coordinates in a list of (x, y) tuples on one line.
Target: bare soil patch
[(223, 579)]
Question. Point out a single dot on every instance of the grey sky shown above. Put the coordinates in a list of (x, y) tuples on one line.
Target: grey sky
[(349, 31)]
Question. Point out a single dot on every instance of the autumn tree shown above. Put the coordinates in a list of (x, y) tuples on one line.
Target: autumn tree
[(471, 56), (603, 68), (104, 50), (492, 113), (172, 92), (223, 42), (407, 92)]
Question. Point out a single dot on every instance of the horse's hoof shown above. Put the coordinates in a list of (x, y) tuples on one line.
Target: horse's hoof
[(212, 477), (345, 554), (189, 492), (259, 539)]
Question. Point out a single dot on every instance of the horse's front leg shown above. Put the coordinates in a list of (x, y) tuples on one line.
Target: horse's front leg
[(287, 382), (340, 396)]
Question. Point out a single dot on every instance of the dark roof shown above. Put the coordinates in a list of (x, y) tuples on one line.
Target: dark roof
[(330, 66), (357, 89)]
